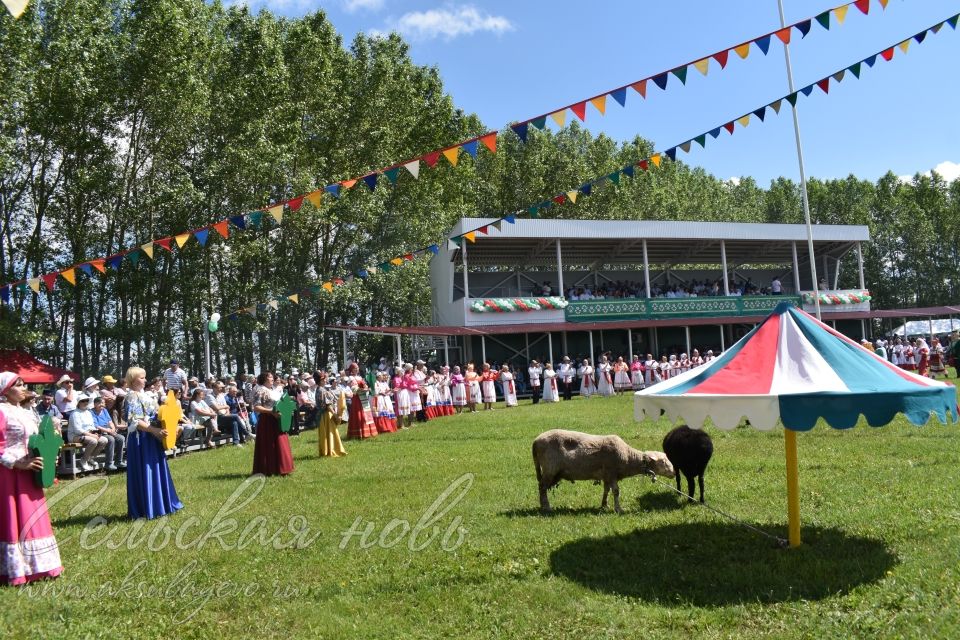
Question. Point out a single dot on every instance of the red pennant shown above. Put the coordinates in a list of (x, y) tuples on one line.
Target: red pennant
[(50, 280), (490, 141), (784, 35), (165, 243), (223, 228), (431, 158), (580, 110), (483, 230), (863, 5), (729, 127), (644, 165), (641, 88), (888, 54), (824, 85), (721, 57), (295, 204), (98, 265), (338, 281), (408, 257), (559, 200)]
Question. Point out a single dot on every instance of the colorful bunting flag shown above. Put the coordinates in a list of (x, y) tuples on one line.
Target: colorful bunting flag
[(729, 127), (904, 45), (655, 159), (721, 58), (887, 55), (572, 196), (134, 256), (50, 279), (471, 236), (743, 121), (824, 20), (760, 113), (114, 262), (328, 287), (256, 218), (392, 174), (681, 73), (490, 141), (804, 28), (332, 189), (295, 204), (274, 304), (715, 133), (863, 6), (855, 70), (520, 130), (98, 264), (16, 7), (840, 13), (807, 90), (640, 87), (201, 236), (348, 184), (165, 243), (294, 298), (222, 228), (315, 198), (510, 218), (70, 275), (86, 268), (743, 50), (470, 148), (671, 153), (701, 140), (371, 181), (784, 34), (600, 104), (147, 249), (586, 189), (838, 76), (703, 66), (5, 294), (540, 122), (620, 95), (776, 106), (435, 250), (661, 80), (413, 167), (580, 110), (34, 284), (277, 212), (453, 154), (182, 239), (240, 222), (763, 44), (560, 117)]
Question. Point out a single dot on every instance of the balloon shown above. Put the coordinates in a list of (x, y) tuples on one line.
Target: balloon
[(212, 326)]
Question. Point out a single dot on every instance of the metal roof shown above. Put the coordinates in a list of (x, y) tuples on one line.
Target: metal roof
[(620, 242)]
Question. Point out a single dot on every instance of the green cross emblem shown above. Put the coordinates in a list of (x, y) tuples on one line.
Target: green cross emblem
[(46, 444), (285, 407)]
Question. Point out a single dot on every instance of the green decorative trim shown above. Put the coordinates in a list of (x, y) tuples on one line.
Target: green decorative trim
[(667, 308)]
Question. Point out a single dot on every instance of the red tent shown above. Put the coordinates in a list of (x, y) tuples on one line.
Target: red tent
[(32, 371)]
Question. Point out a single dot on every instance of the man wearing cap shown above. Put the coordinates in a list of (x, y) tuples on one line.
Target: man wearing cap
[(565, 372), (81, 430), (535, 371), (66, 397), (109, 392), (175, 377), (91, 387)]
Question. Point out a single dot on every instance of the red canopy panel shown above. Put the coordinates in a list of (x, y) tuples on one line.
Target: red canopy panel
[(32, 371)]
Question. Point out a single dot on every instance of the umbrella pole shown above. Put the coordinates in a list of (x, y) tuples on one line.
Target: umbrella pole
[(793, 486)]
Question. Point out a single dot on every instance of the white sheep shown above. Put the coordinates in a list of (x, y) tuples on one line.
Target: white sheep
[(571, 455)]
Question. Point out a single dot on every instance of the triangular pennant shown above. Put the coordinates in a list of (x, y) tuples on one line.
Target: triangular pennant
[(452, 155), (70, 275), (871, 60), (23, 286), (776, 106), (328, 287), (294, 298), (165, 243), (256, 217), (792, 99), (520, 130), (435, 250), (134, 256), (855, 70), (470, 236), (715, 133), (615, 178), (510, 218), (672, 153), (431, 158), (586, 189), (453, 244), (572, 196), (840, 13), (16, 9), (920, 37), (295, 204), (703, 66), (99, 265), (744, 120), (661, 80), (644, 165), (760, 113), (721, 57), (540, 122), (681, 73), (50, 279), (600, 104), (348, 184), (560, 117), (277, 212), (386, 267), (371, 270), (484, 230), (371, 181), (685, 147), (655, 159), (490, 141), (729, 127), (887, 55), (114, 262), (86, 268), (332, 189), (252, 310), (201, 236), (408, 257), (580, 110), (701, 140), (904, 45), (240, 222), (620, 95), (627, 171), (392, 174), (824, 20), (953, 21), (883, 3), (743, 50), (223, 228), (363, 274), (763, 44), (273, 303), (803, 28), (5, 294), (838, 76), (315, 198), (496, 225), (863, 5), (534, 211), (182, 239), (640, 87), (470, 148), (34, 283), (413, 167), (935, 29), (784, 34), (807, 90)]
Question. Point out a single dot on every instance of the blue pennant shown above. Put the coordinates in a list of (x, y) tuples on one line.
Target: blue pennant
[(86, 268), (661, 80), (470, 147), (510, 218), (5, 294), (392, 174), (201, 236), (586, 189), (333, 189), (764, 44), (434, 249), (807, 90), (672, 153), (762, 111), (715, 132), (521, 131), (803, 28), (620, 95), (114, 262), (628, 171), (371, 181), (239, 222), (362, 273), (871, 60)]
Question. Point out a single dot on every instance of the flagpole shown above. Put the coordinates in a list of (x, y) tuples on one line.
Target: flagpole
[(803, 175)]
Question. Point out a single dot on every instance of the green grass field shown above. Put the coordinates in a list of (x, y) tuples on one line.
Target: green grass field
[(881, 553)]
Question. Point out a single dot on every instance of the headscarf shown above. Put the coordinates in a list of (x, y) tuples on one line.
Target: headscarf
[(7, 380)]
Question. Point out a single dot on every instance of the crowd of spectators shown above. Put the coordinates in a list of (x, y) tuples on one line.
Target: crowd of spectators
[(620, 289)]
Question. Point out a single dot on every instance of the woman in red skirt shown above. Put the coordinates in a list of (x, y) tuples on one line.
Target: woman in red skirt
[(361, 423), (271, 454)]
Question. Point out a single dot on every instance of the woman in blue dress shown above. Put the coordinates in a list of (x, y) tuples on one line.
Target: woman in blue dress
[(150, 491)]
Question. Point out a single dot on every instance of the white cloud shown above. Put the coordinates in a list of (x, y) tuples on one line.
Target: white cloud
[(947, 170), (351, 6), (449, 22), (734, 180)]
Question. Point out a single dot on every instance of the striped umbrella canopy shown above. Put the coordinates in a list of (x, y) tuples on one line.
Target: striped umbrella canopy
[(793, 370)]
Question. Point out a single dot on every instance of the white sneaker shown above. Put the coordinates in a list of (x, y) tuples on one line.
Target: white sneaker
[(89, 466)]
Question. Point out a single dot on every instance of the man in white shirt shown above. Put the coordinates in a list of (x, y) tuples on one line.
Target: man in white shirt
[(175, 377), (81, 430), (776, 288), (535, 371), (566, 371), (66, 397)]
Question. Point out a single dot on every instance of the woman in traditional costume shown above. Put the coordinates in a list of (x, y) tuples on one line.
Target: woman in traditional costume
[(509, 386), (271, 453), (923, 353), (621, 376), (636, 373), (587, 386), (384, 416), (361, 423), (458, 390), (474, 393), (329, 444), (444, 392), (605, 377), (28, 548), (487, 387), (937, 359), (551, 392)]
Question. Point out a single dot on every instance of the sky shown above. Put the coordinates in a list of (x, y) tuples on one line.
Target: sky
[(508, 61)]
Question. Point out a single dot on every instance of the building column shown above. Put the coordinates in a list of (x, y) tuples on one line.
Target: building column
[(630, 345), (560, 269), (466, 277), (446, 350), (646, 268), (483, 349), (591, 347), (344, 363), (687, 331), (796, 269), (550, 345), (723, 261), (860, 266), (723, 342), (526, 345)]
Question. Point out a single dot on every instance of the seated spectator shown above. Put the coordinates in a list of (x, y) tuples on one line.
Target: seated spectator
[(66, 397), (238, 407), (203, 416), (227, 421), (307, 404), (82, 430), (47, 407), (107, 429)]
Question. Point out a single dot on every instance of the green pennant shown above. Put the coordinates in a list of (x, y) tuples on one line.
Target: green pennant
[(681, 73), (457, 240), (824, 20), (855, 70), (701, 140), (134, 256), (386, 267), (540, 122), (23, 286), (534, 211), (255, 218), (792, 99), (392, 174), (615, 178)]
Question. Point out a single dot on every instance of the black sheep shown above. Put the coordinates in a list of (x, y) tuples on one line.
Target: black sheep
[(689, 451)]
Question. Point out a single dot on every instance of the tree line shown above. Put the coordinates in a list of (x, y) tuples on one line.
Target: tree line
[(127, 120)]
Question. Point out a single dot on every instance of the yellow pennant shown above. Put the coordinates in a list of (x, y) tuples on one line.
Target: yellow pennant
[(34, 284), (182, 239), (743, 50), (16, 7), (315, 198), (904, 45), (702, 65), (560, 117), (600, 103), (273, 303), (70, 275), (744, 121), (397, 261), (452, 155), (328, 286), (277, 212), (572, 196), (883, 3), (655, 159), (841, 13), (472, 236), (295, 298), (148, 249)]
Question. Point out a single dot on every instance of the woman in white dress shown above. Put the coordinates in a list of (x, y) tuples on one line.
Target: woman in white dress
[(651, 374), (587, 386), (509, 387), (458, 390), (550, 391), (664, 368), (605, 377), (621, 375)]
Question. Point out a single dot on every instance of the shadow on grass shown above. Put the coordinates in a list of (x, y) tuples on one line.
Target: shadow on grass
[(720, 564), (534, 512), (109, 518), (659, 501), (234, 475)]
